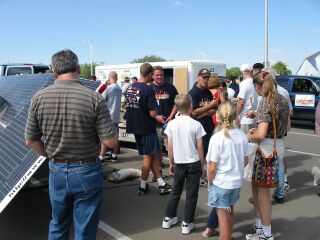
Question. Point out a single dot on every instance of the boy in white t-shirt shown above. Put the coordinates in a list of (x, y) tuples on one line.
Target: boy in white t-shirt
[(186, 157), (227, 156)]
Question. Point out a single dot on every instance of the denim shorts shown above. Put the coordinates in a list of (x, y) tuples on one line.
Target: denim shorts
[(147, 144), (223, 198)]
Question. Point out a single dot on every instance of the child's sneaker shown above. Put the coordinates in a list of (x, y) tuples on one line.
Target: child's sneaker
[(256, 229), (286, 187), (142, 191), (165, 189), (186, 227), (168, 222), (203, 182), (259, 236)]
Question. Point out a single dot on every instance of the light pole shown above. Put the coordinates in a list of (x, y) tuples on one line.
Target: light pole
[(91, 54), (266, 60), (203, 54)]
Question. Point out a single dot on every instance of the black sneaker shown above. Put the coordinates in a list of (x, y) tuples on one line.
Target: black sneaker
[(142, 191), (203, 182), (165, 189), (114, 159), (278, 199)]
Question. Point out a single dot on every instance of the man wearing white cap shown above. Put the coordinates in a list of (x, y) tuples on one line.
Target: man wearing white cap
[(247, 99)]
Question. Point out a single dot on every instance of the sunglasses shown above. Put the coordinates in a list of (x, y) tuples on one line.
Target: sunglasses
[(205, 77)]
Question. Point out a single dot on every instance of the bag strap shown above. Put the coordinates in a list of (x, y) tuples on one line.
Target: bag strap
[(274, 127)]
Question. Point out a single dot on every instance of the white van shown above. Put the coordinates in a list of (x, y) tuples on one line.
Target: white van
[(182, 74), (22, 69)]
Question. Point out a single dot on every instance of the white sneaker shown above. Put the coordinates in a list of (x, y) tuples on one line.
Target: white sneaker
[(251, 235), (259, 236), (286, 187), (186, 227), (168, 222)]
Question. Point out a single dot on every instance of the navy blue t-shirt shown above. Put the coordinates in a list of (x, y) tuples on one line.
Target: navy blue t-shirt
[(200, 98), (165, 95), (140, 100)]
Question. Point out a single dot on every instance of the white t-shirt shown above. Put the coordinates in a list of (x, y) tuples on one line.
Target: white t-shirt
[(184, 132), (249, 95), (231, 93), (229, 154), (283, 92)]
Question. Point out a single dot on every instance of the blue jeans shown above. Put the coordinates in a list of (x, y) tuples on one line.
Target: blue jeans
[(189, 173), (75, 194)]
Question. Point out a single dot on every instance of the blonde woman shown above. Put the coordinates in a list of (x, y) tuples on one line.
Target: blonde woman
[(227, 156), (270, 104)]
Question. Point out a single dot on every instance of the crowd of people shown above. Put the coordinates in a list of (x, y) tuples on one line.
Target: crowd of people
[(213, 131)]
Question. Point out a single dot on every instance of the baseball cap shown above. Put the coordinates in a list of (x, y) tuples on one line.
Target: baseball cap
[(126, 79), (135, 78), (203, 71), (245, 67), (258, 66)]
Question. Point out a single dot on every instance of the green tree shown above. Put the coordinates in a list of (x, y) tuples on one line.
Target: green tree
[(233, 72), (150, 58), (86, 70), (281, 68)]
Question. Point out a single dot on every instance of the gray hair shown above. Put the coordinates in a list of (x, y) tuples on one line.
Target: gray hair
[(64, 61), (271, 71)]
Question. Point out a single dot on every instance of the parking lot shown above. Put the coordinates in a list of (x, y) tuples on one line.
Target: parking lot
[(127, 216)]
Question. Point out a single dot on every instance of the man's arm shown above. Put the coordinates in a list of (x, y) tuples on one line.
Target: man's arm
[(205, 110), (201, 153), (110, 142), (37, 146), (172, 114), (158, 118)]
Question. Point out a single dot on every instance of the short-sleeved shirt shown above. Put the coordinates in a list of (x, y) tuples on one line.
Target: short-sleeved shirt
[(201, 98), (281, 108), (71, 119), (113, 97), (250, 96), (283, 92), (165, 95), (184, 132), (229, 155), (140, 100)]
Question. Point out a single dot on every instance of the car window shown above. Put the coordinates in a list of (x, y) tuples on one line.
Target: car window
[(301, 85), (40, 69), (18, 70), (283, 82)]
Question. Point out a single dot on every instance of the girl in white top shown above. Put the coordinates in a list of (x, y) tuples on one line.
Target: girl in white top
[(227, 156)]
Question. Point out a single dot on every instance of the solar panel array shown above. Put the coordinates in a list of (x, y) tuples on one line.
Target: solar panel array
[(16, 159)]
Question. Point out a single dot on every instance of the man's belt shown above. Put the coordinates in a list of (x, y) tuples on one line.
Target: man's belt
[(86, 160)]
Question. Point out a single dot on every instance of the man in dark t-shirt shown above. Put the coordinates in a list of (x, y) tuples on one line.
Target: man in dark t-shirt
[(142, 116), (203, 105), (165, 93)]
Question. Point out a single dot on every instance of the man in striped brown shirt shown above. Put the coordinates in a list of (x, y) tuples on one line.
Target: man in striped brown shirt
[(66, 123)]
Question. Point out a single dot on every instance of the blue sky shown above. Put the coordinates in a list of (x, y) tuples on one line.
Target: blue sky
[(228, 31)]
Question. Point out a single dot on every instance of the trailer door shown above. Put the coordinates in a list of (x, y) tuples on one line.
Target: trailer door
[(180, 79)]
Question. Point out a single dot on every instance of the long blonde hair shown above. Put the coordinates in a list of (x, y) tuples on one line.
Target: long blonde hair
[(227, 113), (268, 84)]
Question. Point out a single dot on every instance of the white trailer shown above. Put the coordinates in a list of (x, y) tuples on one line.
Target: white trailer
[(182, 74)]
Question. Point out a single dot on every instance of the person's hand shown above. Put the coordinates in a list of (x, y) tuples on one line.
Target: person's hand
[(171, 169), (203, 171), (168, 119), (251, 132), (209, 186), (250, 114), (160, 119)]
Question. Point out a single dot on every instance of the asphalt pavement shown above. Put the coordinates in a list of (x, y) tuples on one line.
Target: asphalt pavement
[(127, 216)]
